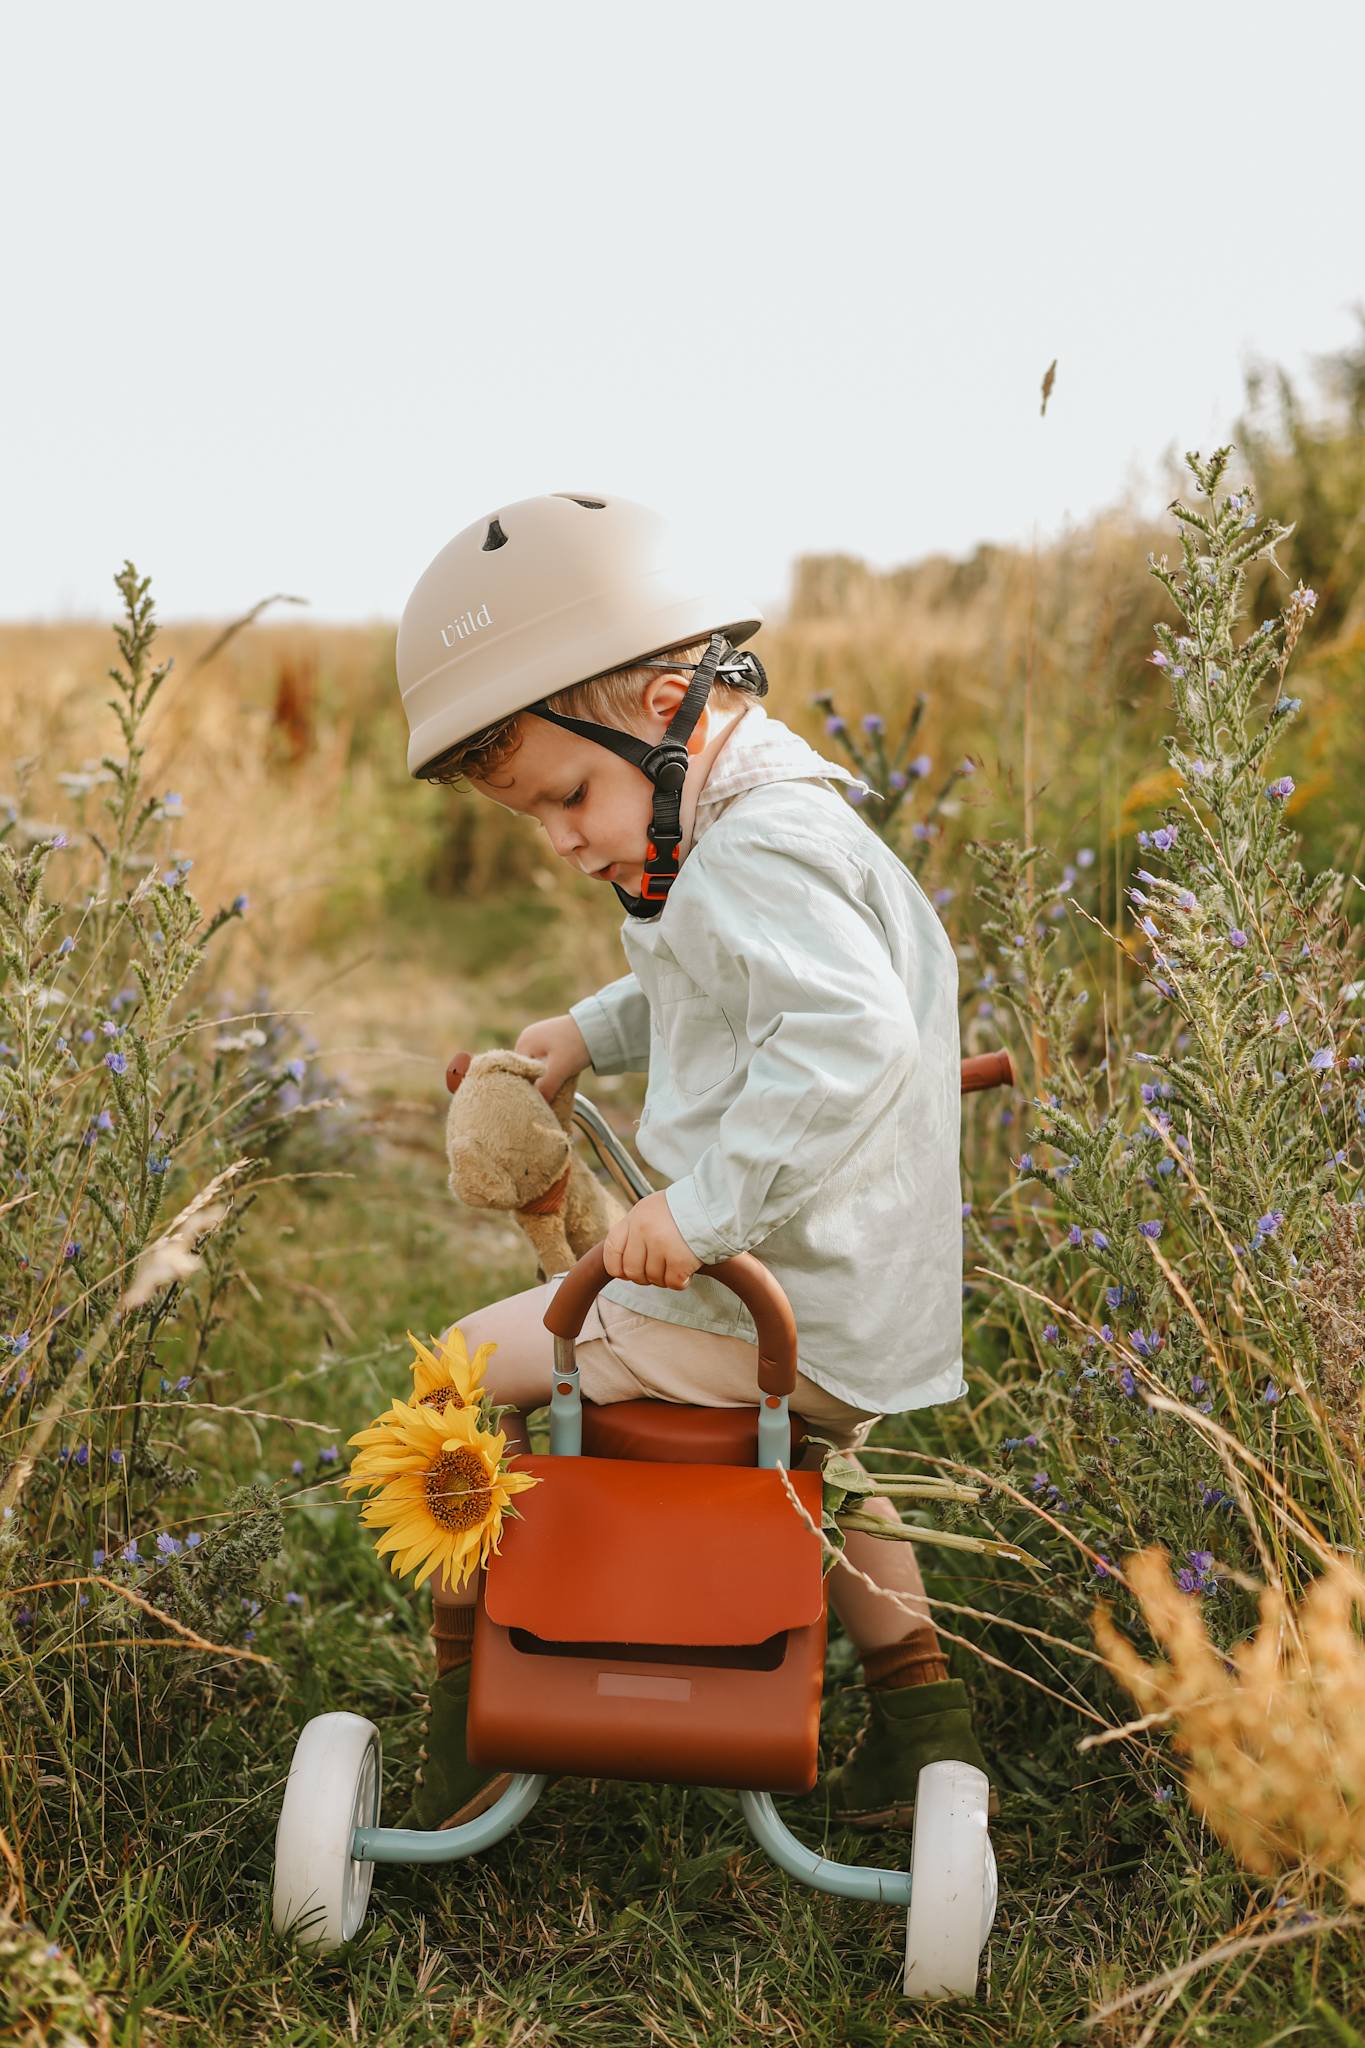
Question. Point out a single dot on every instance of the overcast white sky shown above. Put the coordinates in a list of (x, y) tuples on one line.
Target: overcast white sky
[(293, 291)]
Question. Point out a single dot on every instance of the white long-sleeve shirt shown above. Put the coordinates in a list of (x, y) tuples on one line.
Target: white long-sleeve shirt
[(795, 1005)]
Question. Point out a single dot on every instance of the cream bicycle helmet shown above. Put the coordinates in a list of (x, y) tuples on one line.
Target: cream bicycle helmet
[(553, 591)]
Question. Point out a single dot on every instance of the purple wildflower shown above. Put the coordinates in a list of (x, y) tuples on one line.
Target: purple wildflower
[(330, 1455), (1164, 838), (293, 1599), (1073, 1236), (1271, 1394), (116, 1062), (1150, 1229), (241, 904), (169, 1546), (1269, 1223), (1049, 1333), (834, 726), (897, 778), (1099, 1240), (1278, 791), (1237, 938), (297, 1468), (1323, 1060), (1158, 660), (872, 723)]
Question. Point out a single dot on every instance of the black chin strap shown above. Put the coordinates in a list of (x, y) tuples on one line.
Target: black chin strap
[(666, 764)]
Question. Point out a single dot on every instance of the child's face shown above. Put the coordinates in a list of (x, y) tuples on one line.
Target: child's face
[(594, 806)]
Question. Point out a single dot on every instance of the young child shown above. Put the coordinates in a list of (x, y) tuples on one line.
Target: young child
[(793, 998)]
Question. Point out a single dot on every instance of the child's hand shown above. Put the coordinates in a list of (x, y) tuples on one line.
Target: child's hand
[(644, 1246), (558, 1040)]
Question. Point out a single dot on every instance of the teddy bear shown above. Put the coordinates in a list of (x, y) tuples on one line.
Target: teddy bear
[(511, 1149)]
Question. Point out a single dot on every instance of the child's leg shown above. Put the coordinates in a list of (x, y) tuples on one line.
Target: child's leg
[(894, 1637), (916, 1713)]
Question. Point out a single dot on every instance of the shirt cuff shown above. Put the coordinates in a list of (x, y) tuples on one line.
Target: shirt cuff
[(693, 1224), (606, 1048)]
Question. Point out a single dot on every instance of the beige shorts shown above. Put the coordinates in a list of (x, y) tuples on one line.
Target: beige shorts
[(625, 1356)]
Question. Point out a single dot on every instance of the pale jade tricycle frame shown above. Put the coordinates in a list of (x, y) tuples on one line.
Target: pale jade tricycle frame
[(328, 1841)]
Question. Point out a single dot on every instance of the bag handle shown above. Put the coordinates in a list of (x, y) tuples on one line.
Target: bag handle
[(743, 1274)]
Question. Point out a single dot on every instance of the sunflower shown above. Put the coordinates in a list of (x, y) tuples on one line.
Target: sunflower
[(438, 1488), (445, 1376)]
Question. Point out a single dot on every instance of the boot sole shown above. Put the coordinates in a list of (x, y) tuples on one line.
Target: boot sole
[(479, 1802), (901, 1816)]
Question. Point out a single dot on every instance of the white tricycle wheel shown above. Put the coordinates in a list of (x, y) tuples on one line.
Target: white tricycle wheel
[(952, 1883), (321, 1891)]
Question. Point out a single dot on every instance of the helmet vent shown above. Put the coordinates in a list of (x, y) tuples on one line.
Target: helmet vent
[(588, 504), (495, 537)]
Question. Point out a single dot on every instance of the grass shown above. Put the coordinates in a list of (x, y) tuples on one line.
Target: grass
[(401, 925), (617, 1914)]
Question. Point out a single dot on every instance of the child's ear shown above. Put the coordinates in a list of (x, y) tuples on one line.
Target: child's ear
[(698, 738)]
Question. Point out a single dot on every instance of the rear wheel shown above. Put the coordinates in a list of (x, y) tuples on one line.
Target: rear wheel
[(953, 1888)]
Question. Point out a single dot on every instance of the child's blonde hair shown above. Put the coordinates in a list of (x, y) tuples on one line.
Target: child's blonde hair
[(611, 699)]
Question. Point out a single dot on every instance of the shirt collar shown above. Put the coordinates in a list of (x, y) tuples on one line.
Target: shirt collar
[(762, 749)]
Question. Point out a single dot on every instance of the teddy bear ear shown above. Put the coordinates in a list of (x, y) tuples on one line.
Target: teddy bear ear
[(457, 1070)]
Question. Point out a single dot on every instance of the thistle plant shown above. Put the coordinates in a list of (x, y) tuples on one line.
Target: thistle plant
[(900, 773), (1187, 1256), (119, 1101)]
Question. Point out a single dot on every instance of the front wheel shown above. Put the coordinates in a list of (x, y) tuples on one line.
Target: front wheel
[(952, 1883), (321, 1891)]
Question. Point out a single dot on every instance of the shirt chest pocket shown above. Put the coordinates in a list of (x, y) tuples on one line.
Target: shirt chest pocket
[(699, 1042)]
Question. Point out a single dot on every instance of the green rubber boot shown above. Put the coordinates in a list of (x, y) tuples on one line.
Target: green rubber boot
[(907, 1727), (448, 1788)]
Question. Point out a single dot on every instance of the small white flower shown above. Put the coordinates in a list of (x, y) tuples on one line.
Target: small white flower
[(245, 1041)]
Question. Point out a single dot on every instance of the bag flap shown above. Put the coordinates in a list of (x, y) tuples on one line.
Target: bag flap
[(612, 1551)]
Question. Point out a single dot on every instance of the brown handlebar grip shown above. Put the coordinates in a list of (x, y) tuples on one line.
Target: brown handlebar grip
[(743, 1274), (987, 1070)]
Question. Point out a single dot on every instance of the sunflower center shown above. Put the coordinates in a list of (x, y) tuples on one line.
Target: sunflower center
[(441, 1398), (456, 1488)]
